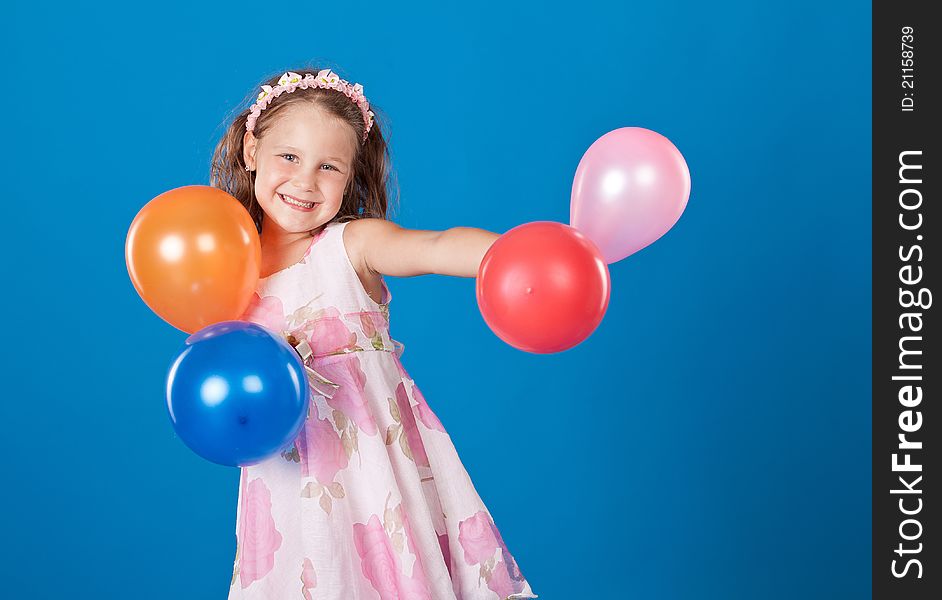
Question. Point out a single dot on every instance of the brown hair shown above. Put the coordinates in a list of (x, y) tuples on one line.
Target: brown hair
[(367, 194)]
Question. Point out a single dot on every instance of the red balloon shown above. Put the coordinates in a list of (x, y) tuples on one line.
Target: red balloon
[(543, 287)]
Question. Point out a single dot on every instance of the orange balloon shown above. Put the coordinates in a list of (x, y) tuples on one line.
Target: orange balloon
[(194, 256)]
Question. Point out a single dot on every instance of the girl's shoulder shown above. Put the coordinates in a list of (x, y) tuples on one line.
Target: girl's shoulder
[(382, 246), (355, 235), (358, 233)]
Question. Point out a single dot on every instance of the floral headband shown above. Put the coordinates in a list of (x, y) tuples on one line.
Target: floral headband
[(324, 79)]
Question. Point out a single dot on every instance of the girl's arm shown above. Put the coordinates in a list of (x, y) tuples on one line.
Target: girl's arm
[(386, 248)]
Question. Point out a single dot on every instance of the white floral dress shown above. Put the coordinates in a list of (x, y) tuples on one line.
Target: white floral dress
[(371, 501)]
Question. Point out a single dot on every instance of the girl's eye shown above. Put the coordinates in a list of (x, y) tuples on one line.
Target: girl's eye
[(291, 157)]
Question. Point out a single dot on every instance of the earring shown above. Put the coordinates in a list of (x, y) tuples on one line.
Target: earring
[(248, 169)]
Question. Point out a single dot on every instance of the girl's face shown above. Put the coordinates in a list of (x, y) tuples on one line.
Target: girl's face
[(303, 165)]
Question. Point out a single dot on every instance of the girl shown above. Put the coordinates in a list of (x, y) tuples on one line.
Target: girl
[(372, 500)]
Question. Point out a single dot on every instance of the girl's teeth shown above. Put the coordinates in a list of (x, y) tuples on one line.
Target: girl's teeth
[(296, 203)]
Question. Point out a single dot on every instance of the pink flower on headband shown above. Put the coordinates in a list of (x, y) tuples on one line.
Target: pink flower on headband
[(329, 77), (289, 77), (325, 79), (266, 89)]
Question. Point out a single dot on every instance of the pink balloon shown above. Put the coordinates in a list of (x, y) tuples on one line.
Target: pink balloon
[(631, 186)]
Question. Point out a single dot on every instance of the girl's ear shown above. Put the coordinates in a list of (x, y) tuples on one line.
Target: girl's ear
[(249, 144)]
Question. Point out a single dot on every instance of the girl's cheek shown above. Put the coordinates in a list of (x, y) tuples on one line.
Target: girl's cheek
[(280, 171)]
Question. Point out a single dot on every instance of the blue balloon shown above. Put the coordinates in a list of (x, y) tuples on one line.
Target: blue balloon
[(237, 393)]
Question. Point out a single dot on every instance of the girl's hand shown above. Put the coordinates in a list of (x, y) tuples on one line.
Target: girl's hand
[(384, 247)]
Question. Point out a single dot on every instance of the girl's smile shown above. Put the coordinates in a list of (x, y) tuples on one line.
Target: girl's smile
[(297, 204)]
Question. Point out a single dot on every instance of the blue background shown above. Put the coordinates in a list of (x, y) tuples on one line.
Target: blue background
[(710, 440)]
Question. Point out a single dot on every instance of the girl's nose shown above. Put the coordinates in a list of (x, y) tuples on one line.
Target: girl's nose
[(305, 182)]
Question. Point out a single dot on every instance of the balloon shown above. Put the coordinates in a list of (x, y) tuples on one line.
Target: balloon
[(631, 186), (237, 393), (194, 256), (543, 287)]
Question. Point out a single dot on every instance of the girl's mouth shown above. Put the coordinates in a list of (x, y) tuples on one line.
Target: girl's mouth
[(297, 203)]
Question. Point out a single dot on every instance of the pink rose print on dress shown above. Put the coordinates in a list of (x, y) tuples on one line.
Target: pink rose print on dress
[(322, 454), (373, 323), (477, 538), (349, 398), (308, 579), (425, 413), (509, 564), (260, 537), (269, 312), (412, 588), (378, 560), (329, 334), (428, 418), (416, 447), (500, 582)]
